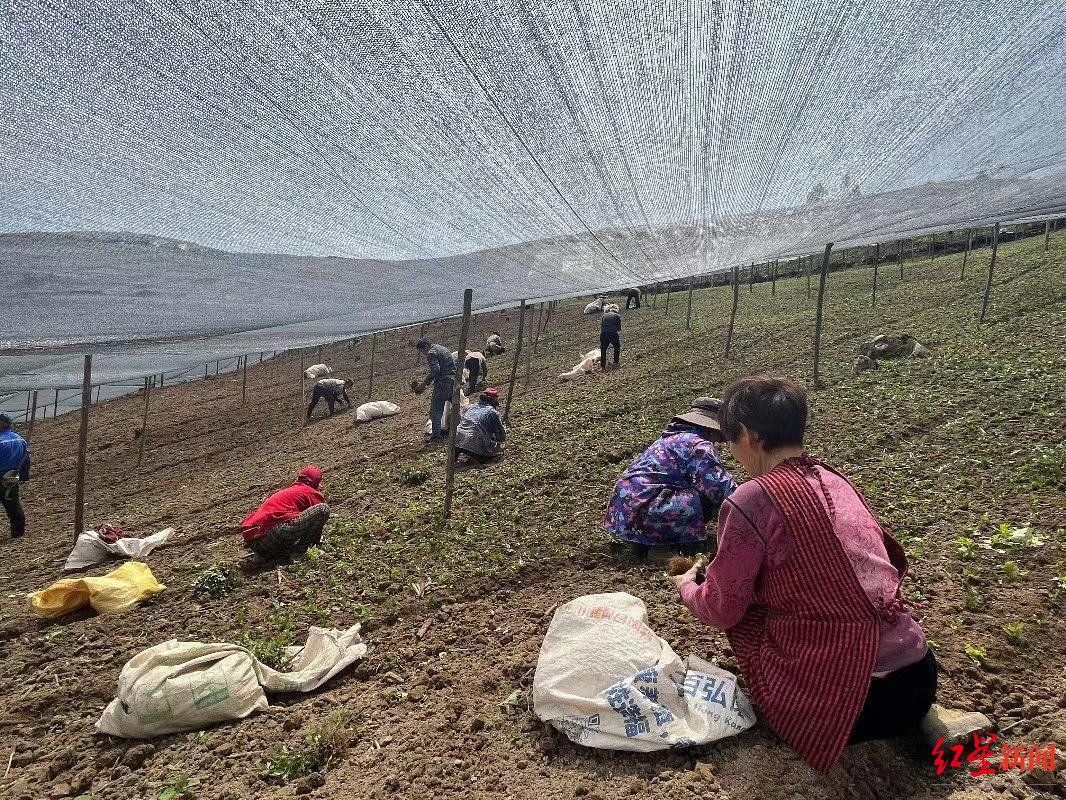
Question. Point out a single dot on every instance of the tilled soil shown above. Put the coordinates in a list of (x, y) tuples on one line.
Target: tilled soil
[(944, 449)]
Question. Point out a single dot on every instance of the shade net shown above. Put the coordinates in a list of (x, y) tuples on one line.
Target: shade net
[(182, 180)]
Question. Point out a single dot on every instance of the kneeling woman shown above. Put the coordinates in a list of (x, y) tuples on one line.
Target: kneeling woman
[(669, 494), (806, 586)]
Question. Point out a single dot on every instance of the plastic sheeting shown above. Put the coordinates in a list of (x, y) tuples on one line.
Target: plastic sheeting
[(279, 174)]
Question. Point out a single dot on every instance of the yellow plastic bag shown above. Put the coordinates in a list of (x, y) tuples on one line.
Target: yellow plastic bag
[(118, 590)]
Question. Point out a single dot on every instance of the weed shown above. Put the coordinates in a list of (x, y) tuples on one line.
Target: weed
[(269, 650), (181, 787), (1046, 471), (1015, 633), (977, 654), (320, 750), (415, 477), (214, 582), (965, 547)]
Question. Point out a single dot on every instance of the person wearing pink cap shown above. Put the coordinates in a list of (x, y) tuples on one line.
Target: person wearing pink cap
[(290, 520), (480, 434)]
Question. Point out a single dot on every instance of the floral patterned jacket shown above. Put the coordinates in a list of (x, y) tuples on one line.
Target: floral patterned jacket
[(667, 495)]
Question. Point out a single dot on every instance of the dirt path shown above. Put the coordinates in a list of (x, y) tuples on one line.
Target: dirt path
[(947, 449)]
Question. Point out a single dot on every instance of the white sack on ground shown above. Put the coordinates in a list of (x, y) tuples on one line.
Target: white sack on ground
[(90, 549), (606, 680), (589, 362), (316, 371), (375, 410), (595, 307), (181, 686)]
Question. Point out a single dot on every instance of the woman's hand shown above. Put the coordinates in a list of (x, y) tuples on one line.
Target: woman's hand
[(688, 576)]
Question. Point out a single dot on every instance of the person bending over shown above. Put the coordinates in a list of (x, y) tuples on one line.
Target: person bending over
[(806, 586), (610, 328), (441, 374), (332, 390), (14, 470), (289, 521), (494, 344), (669, 494)]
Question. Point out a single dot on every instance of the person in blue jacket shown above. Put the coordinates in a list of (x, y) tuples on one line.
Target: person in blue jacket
[(14, 469)]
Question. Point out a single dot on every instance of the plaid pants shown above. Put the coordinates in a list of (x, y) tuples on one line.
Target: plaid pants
[(294, 536)]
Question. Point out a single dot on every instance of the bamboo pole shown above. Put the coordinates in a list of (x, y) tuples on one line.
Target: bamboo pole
[(733, 313), (144, 421), (818, 313), (991, 267), (688, 311), (966, 253), (810, 267), (83, 440), (33, 417), (517, 355), (453, 422), (373, 351), (244, 380), (55, 405)]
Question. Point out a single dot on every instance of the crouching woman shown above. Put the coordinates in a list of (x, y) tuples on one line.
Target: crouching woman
[(806, 586), (290, 521)]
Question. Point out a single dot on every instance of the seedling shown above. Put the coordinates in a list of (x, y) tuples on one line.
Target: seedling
[(181, 788), (1015, 633), (978, 655), (965, 547), (1011, 571), (974, 601), (214, 582)]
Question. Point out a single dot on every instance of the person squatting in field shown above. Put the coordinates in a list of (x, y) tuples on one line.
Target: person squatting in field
[(441, 374), (332, 390), (632, 298), (673, 489), (494, 344), (291, 520), (481, 433), (14, 470), (610, 328), (806, 586)]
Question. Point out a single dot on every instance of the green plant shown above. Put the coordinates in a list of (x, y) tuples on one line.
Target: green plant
[(965, 547), (181, 787), (973, 601), (977, 654), (1046, 471), (415, 477), (1012, 571), (320, 750), (270, 650), (1015, 633), (216, 581)]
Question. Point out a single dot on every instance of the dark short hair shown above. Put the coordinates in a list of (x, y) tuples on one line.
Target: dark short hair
[(773, 407), (423, 344)]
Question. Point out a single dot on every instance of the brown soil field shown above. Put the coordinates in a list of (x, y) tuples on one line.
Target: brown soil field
[(947, 450)]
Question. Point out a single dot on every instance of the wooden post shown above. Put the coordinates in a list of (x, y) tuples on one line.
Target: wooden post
[(373, 351), (548, 316), (667, 300), (83, 440), (654, 294), (33, 416), (991, 267), (144, 421), (751, 277), (873, 300), (818, 313), (966, 253), (244, 380), (688, 312), (901, 259), (810, 267), (536, 336), (55, 405), (162, 375), (733, 313), (205, 372), (98, 387), (773, 279), (26, 413), (453, 422), (1047, 234), (517, 354)]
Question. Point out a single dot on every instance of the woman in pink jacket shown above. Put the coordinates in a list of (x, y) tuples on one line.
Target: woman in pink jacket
[(806, 586)]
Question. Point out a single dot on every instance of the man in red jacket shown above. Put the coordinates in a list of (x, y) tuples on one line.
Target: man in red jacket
[(290, 520)]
